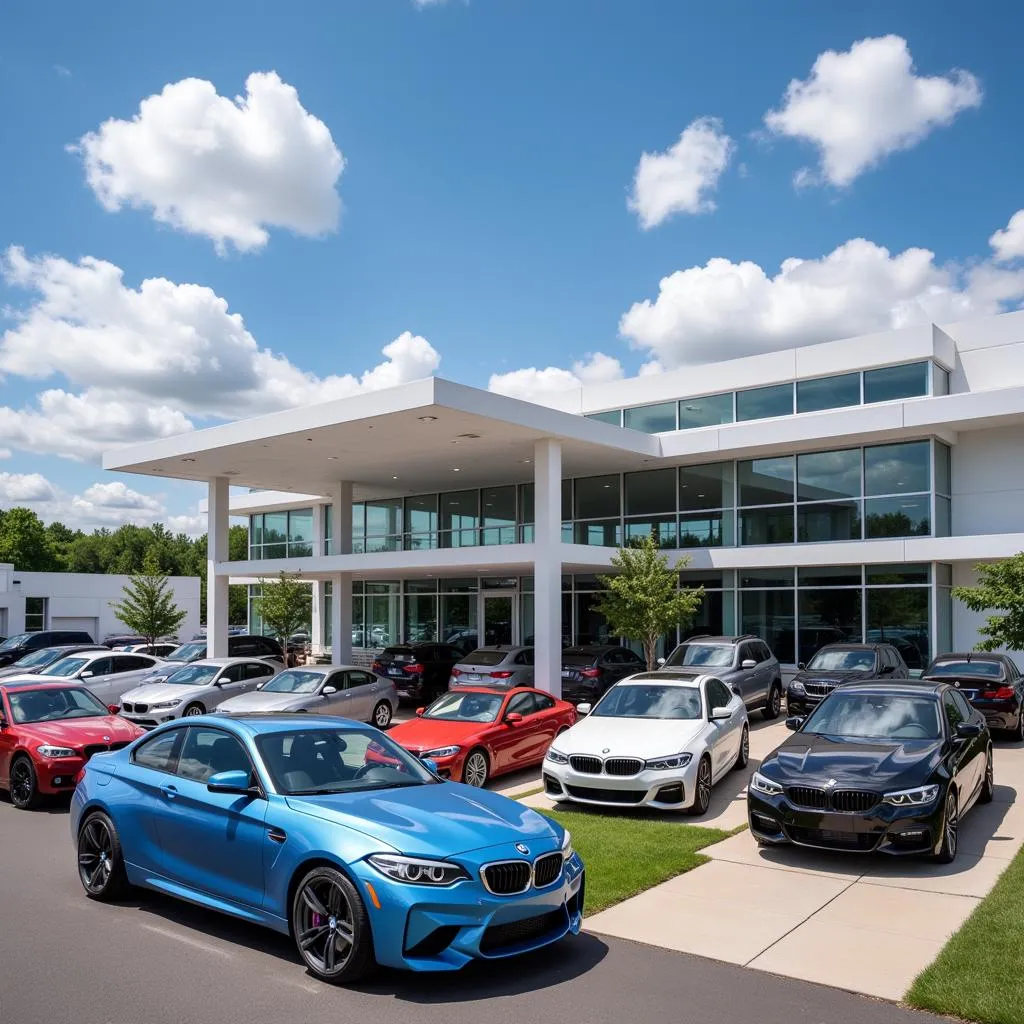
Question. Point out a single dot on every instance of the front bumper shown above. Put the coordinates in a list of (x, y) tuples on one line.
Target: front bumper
[(57, 775), (899, 831), (672, 790), (801, 703), (151, 719), (424, 929)]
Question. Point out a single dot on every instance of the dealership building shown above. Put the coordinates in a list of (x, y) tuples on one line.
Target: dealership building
[(829, 492)]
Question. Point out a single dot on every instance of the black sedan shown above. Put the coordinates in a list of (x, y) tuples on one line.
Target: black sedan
[(991, 682), (891, 767), (590, 670)]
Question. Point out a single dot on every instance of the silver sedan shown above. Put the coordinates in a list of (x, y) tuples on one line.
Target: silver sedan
[(345, 690), (501, 665), (107, 674)]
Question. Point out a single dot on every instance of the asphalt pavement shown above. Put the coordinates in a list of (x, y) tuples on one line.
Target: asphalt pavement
[(67, 960)]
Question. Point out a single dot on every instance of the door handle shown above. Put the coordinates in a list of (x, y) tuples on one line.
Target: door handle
[(169, 791)]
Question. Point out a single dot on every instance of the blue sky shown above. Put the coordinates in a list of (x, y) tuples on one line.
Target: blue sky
[(489, 149)]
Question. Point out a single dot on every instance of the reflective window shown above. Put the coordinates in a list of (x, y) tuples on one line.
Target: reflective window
[(300, 533), (828, 617), (828, 392), (897, 517), (943, 469), (275, 535), (943, 517), (613, 416), (605, 533), (760, 403), (707, 529), (383, 524), (653, 419), (769, 614), (899, 616), (756, 578), (459, 518), (897, 468), (823, 476), (597, 497), (706, 411), (420, 617), (709, 486), (891, 575), (766, 481), (829, 576), (828, 520), (661, 528), (888, 383), (767, 525), (653, 491), (499, 515), (421, 521)]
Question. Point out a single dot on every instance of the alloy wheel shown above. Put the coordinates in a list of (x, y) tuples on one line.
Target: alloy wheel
[(952, 825), (745, 746), (95, 855), (776, 701), (21, 783), (475, 771), (382, 715), (704, 785), (325, 929), (990, 778), (192, 712)]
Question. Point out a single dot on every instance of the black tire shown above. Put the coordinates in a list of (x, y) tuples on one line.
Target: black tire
[(988, 785), (382, 715), (327, 911), (774, 706), (702, 796), (194, 709), (476, 769), (743, 757), (24, 786), (950, 830), (100, 859)]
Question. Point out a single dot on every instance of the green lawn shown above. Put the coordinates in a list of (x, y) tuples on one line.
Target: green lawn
[(979, 975), (625, 855)]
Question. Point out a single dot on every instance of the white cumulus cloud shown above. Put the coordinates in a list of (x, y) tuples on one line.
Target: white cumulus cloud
[(22, 488), (534, 384), (1008, 242), (224, 169), (681, 179), (863, 104), (723, 310)]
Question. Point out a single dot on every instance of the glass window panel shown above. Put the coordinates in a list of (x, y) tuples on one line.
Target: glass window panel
[(899, 616), (526, 503), (256, 532), (830, 520), (652, 491), (703, 578), (420, 617), (613, 416), (567, 499), (829, 576), (382, 603), (383, 517), (706, 411), (328, 522), (421, 514), (661, 528), (889, 574), (300, 532), (760, 403), (597, 497), (766, 481), (769, 615), (767, 525), (907, 516), (713, 617), (888, 383), (823, 476), (943, 517), (653, 419), (374, 545), (459, 518), (709, 486), (943, 576), (591, 625), (897, 468), (358, 528), (943, 471), (707, 530), (499, 515), (943, 620), (421, 586), (603, 534), (275, 535), (827, 617), (828, 392), (755, 578)]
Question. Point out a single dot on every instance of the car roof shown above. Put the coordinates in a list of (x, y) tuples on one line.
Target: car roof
[(723, 640), (853, 646), (262, 722), (667, 676), (226, 661), (895, 688), (499, 690), (592, 648), (57, 684), (503, 648)]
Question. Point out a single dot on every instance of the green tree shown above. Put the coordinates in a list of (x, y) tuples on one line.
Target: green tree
[(24, 541), (148, 606), (1000, 589), (643, 600), (285, 604)]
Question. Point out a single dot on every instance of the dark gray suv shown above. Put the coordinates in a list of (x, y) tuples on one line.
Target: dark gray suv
[(743, 663)]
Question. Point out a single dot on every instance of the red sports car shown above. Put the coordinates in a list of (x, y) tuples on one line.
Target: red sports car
[(476, 732), (47, 733)]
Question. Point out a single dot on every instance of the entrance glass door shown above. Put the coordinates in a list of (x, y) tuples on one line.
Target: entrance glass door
[(499, 614)]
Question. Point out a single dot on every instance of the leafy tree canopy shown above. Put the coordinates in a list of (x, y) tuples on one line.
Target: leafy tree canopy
[(999, 591), (147, 607)]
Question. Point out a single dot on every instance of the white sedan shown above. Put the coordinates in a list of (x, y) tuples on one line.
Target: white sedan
[(656, 740)]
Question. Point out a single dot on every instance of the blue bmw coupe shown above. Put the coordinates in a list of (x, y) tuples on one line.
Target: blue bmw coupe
[(327, 830)]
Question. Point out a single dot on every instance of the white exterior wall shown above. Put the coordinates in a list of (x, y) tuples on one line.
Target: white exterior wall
[(83, 596), (988, 481), (966, 622)]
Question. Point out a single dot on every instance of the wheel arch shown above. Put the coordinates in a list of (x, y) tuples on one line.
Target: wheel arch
[(316, 860)]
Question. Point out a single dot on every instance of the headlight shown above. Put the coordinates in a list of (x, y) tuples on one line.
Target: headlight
[(912, 797), (556, 756), (442, 752), (672, 761), (48, 751), (761, 784), (567, 850), (165, 705), (798, 689), (415, 871)]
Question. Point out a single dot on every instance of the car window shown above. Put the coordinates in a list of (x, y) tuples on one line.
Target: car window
[(521, 704), (160, 752), (132, 663), (233, 673), (962, 706), (747, 652), (954, 715), (718, 694), (527, 657), (207, 752), (353, 679), (102, 667), (258, 670), (543, 702), (243, 647)]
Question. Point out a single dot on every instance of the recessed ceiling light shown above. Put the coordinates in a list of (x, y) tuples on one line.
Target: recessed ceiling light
[(455, 469), (332, 458), (526, 460), (188, 460), (394, 478), (428, 419)]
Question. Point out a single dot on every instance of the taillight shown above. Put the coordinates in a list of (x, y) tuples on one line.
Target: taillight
[(377, 666), (1003, 693), (416, 669), (456, 672), (501, 675), (79, 776), (591, 673)]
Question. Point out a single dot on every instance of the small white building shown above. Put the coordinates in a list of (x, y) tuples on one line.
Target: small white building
[(32, 601)]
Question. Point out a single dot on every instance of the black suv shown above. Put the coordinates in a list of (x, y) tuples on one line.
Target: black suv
[(420, 670), (991, 682), (25, 643), (588, 671), (744, 663), (841, 663)]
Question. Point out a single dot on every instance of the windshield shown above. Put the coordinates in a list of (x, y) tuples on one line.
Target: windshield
[(65, 667), (650, 701), (14, 641), (717, 655), (843, 661), (188, 652), (875, 717), (194, 675), (466, 707), (50, 705), (320, 761), (988, 669), (46, 656), (294, 681)]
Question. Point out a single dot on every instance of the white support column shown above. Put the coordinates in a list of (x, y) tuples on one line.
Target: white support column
[(547, 566), (217, 586), (317, 623), (341, 583)]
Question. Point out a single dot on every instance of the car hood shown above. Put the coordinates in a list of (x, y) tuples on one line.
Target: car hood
[(156, 693), (438, 820), (259, 701), (13, 670), (811, 675), (427, 733), (33, 677), (80, 732), (813, 760), (629, 737)]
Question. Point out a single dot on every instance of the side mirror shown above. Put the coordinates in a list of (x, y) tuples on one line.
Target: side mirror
[(430, 764), (661, 661), (113, 708), (801, 665), (86, 674), (583, 709), (968, 730), (419, 712), (328, 690), (748, 663), (793, 724), (737, 691), (513, 718), (720, 714), (230, 782)]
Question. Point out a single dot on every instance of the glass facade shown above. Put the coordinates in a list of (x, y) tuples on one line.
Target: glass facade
[(281, 534)]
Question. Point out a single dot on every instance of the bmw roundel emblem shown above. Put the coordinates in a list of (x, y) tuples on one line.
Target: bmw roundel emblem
[(831, 784), (106, 739), (606, 750), (522, 848), (957, 684)]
